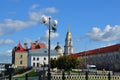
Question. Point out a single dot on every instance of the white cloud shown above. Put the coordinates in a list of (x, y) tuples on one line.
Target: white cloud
[(44, 38), (110, 33), (35, 16), (34, 6), (53, 46), (6, 42), (10, 26), (52, 35), (9, 52), (6, 53), (50, 10)]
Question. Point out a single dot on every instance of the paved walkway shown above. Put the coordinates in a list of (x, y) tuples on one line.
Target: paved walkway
[(19, 75)]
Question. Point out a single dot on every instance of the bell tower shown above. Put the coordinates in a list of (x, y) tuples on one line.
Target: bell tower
[(68, 49)]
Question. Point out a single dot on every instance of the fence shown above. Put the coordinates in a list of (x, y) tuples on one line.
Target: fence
[(85, 76), (65, 76)]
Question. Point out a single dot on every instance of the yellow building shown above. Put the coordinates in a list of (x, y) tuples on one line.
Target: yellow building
[(20, 56)]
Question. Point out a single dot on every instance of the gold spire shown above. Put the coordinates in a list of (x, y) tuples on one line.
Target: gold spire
[(68, 27)]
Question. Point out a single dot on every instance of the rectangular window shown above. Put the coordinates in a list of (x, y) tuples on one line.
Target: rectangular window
[(37, 64), (33, 64), (20, 62), (21, 55)]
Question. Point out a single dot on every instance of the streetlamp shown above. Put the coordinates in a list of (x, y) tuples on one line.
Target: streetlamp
[(51, 27), (12, 67), (44, 65)]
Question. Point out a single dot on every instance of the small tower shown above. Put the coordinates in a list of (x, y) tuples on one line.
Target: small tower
[(58, 49), (68, 43), (25, 46)]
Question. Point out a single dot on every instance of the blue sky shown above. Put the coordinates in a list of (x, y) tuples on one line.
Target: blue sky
[(93, 23)]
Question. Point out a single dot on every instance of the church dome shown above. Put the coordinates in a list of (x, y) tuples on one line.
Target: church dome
[(58, 49)]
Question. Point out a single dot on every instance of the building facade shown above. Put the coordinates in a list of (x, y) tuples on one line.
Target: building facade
[(107, 58), (35, 56), (68, 48), (19, 56), (39, 57)]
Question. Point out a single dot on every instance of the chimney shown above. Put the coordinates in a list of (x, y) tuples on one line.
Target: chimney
[(37, 45), (36, 42), (25, 46)]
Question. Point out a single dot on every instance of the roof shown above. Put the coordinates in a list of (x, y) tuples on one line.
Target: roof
[(35, 46), (42, 52), (58, 46), (19, 48), (98, 50)]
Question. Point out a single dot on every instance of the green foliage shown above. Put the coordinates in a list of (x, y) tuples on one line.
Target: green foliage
[(31, 74), (67, 63), (20, 71), (53, 63)]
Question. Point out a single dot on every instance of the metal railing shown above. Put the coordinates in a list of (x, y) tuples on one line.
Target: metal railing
[(65, 76), (85, 76)]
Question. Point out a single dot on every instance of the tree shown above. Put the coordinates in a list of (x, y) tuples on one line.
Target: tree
[(53, 63), (67, 63)]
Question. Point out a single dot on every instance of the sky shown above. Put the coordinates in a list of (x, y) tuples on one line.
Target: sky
[(93, 23)]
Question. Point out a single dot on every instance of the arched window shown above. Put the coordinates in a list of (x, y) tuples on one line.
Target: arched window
[(38, 59), (34, 58)]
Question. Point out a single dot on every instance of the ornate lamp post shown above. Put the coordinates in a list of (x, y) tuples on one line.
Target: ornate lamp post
[(44, 64), (51, 27), (12, 67)]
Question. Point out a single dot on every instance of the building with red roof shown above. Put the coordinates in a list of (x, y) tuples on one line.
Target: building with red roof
[(104, 58), (23, 57), (20, 54), (19, 48), (37, 45)]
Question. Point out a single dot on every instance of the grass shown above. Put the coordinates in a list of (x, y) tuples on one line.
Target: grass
[(33, 74)]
